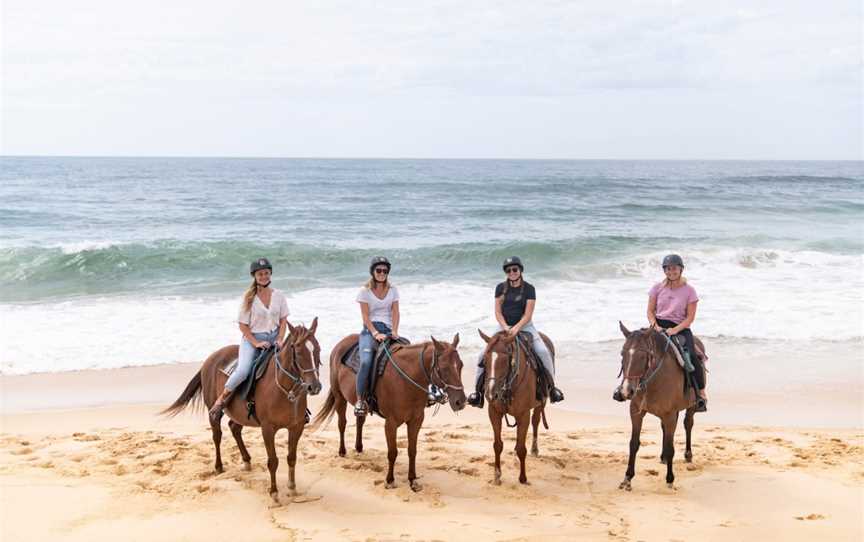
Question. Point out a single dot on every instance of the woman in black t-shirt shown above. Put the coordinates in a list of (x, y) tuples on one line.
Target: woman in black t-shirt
[(514, 308)]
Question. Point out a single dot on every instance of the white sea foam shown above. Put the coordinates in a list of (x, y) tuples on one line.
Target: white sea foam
[(783, 296)]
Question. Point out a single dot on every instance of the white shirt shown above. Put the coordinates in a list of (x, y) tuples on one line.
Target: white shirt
[(261, 319), (380, 310)]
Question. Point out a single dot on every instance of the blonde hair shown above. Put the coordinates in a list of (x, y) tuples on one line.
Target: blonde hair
[(370, 284), (249, 296), (682, 279)]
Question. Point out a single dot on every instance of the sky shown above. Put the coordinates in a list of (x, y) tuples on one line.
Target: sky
[(659, 79)]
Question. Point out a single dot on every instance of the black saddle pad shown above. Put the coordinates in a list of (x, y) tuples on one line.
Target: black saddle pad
[(351, 358)]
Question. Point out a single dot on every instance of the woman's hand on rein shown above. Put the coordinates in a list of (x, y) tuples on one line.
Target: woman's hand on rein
[(263, 344)]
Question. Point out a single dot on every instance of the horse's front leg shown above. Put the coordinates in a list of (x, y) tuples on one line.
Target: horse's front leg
[(636, 417), (522, 423), (390, 426), (294, 434), (358, 442), (413, 431), (495, 418), (341, 406), (669, 423), (535, 424), (688, 427), (269, 434)]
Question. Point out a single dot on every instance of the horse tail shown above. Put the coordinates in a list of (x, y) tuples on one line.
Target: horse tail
[(327, 411), (543, 415), (191, 395)]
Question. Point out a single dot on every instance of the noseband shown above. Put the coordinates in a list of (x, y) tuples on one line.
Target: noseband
[(434, 371), (644, 380), (506, 389)]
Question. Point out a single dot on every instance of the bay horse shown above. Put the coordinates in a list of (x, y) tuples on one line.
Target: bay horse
[(653, 381), (511, 388), (401, 392), (280, 398)]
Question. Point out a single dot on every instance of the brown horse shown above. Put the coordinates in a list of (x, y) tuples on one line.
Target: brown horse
[(654, 382), (511, 388), (280, 398), (401, 392)]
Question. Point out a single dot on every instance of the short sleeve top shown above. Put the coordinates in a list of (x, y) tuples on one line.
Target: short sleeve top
[(380, 310), (671, 303), (515, 301), (261, 319)]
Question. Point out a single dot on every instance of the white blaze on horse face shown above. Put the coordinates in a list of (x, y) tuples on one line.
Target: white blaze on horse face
[(491, 368), (626, 389)]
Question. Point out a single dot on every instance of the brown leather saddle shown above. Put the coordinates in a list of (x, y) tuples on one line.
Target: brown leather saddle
[(351, 359)]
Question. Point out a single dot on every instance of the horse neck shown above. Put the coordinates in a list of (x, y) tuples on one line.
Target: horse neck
[(408, 357)]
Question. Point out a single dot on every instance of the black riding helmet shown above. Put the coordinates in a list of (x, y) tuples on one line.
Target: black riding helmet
[(259, 264), (673, 259), (513, 260), (378, 260)]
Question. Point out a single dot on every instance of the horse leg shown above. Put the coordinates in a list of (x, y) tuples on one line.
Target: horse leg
[(413, 430), (688, 427), (293, 439), (341, 406), (535, 423), (358, 443), (269, 434), (521, 451), (636, 418), (669, 423), (662, 448), (216, 428), (498, 446), (237, 431), (390, 427)]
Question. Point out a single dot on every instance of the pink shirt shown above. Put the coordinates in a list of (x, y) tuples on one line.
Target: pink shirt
[(671, 304)]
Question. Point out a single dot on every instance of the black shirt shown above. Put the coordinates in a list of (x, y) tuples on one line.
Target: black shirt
[(515, 300)]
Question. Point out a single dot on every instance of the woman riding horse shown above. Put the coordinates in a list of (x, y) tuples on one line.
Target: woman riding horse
[(672, 310), (514, 307), (262, 320)]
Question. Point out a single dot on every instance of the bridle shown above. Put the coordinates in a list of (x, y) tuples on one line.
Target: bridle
[(645, 377), (297, 382), (506, 389), (431, 374)]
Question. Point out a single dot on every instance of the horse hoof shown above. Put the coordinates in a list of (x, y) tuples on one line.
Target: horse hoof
[(390, 485), (341, 453), (535, 452), (688, 458), (275, 496), (219, 469), (670, 485), (497, 481), (524, 482), (247, 465), (625, 485), (416, 486)]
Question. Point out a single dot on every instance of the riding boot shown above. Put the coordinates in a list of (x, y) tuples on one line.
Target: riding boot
[(555, 395), (475, 399), (217, 408)]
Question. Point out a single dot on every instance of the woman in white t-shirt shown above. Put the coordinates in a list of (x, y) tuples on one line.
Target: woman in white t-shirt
[(379, 307), (262, 319)]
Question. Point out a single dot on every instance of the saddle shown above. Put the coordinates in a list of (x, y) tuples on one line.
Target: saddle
[(543, 379), (246, 389), (680, 345), (351, 359)]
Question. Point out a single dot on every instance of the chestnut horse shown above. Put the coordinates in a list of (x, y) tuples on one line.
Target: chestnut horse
[(654, 382), (401, 392), (280, 398), (511, 388)]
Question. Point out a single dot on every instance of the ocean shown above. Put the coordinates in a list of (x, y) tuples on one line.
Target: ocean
[(114, 262)]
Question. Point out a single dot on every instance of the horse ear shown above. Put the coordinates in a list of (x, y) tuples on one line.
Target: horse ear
[(314, 326), (436, 343), (455, 342), (484, 336), (624, 330), (290, 327)]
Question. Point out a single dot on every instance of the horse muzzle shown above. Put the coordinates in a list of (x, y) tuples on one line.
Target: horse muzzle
[(313, 388)]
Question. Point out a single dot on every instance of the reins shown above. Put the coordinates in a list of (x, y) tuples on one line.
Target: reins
[(296, 380), (434, 371)]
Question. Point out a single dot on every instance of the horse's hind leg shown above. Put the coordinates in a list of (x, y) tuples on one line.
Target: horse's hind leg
[(293, 438), (269, 435), (521, 436), (535, 423), (688, 427), (358, 443), (413, 431), (669, 423), (636, 418), (216, 428), (237, 431), (341, 406)]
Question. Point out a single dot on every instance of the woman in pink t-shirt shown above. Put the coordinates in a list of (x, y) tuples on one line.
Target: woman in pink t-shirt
[(672, 309)]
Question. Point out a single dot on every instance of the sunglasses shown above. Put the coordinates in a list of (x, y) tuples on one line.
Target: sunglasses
[(511, 269), (383, 270)]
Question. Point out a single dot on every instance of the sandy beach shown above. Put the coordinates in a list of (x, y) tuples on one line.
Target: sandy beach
[(90, 473)]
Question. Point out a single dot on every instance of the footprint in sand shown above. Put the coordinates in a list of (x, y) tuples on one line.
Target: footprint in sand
[(810, 517)]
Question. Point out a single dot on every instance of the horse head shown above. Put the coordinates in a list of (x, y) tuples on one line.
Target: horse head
[(637, 355), (448, 372), (496, 358), (305, 362)]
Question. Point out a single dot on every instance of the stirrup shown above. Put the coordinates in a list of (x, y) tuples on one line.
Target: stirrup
[(701, 404), (361, 408), (555, 395), (475, 399)]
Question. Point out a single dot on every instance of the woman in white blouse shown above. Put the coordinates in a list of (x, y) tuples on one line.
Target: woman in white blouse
[(262, 320), (379, 307)]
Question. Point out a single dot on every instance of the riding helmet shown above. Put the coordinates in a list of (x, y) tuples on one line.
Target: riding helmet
[(378, 260), (673, 259), (513, 260), (259, 264)]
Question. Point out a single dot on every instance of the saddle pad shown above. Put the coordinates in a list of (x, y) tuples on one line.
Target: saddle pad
[(351, 358)]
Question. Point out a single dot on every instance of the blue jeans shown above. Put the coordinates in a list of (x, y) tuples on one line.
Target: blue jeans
[(247, 355), (368, 346), (539, 348)]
